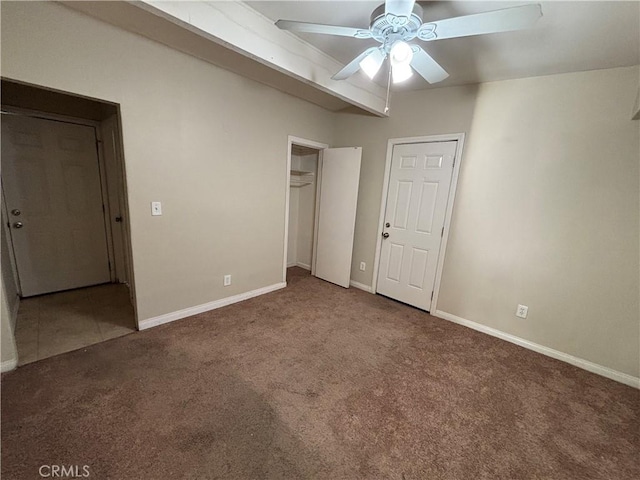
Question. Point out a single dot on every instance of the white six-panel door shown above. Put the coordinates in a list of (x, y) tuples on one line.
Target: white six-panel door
[(51, 181), (419, 184), (337, 213)]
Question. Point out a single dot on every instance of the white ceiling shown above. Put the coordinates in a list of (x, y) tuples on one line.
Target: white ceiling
[(571, 36)]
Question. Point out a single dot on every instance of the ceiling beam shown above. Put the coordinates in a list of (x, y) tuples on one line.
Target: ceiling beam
[(236, 37)]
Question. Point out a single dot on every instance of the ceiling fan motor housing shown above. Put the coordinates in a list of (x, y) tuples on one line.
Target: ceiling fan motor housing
[(388, 28)]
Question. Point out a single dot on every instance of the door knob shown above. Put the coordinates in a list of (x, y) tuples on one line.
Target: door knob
[(15, 212), (385, 235), (387, 224), (17, 225)]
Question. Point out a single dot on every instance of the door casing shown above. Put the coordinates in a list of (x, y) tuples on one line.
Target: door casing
[(457, 137)]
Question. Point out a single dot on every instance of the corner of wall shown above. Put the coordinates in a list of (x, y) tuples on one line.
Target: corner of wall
[(8, 349)]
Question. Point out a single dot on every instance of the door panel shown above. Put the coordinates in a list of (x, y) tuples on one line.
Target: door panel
[(50, 174), (337, 213), (418, 192)]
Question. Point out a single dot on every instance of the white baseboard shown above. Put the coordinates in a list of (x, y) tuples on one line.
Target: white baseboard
[(361, 286), (205, 307), (293, 264), (550, 352), (303, 265), (8, 365)]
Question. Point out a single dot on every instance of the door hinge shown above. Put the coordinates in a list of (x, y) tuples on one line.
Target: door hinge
[(442, 233), (432, 296)]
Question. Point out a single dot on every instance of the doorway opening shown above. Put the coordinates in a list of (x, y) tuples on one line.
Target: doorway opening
[(65, 219), (303, 192)]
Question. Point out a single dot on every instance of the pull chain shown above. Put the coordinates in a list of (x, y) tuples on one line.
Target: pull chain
[(386, 106)]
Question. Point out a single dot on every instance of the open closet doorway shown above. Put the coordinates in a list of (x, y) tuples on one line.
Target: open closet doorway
[(65, 221), (321, 200), (302, 206)]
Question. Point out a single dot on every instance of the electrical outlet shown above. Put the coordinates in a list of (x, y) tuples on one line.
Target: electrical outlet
[(363, 266), (156, 208), (227, 280), (522, 311)]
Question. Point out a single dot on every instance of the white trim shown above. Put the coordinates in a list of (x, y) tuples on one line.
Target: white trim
[(303, 265), (205, 307), (361, 286), (549, 352), (304, 143), (9, 365), (452, 137)]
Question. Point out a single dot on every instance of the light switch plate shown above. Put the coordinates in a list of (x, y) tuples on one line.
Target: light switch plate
[(227, 280), (156, 208)]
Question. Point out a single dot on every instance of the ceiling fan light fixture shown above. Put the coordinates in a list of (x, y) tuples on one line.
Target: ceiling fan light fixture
[(401, 53), (371, 64), (401, 72)]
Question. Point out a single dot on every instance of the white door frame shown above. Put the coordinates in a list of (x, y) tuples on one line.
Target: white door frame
[(453, 137), (303, 142)]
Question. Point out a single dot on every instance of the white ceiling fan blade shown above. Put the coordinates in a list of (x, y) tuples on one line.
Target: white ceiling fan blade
[(353, 66), (426, 66), (293, 26), (504, 20), (399, 8)]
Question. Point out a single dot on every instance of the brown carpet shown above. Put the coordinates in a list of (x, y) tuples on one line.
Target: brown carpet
[(315, 381)]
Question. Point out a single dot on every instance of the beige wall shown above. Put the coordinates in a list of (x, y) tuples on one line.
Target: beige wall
[(547, 208), (210, 145), (547, 216)]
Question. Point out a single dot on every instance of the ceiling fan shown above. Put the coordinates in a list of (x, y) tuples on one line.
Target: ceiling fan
[(398, 22)]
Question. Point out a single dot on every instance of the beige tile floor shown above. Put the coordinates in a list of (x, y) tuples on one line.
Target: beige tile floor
[(60, 322)]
